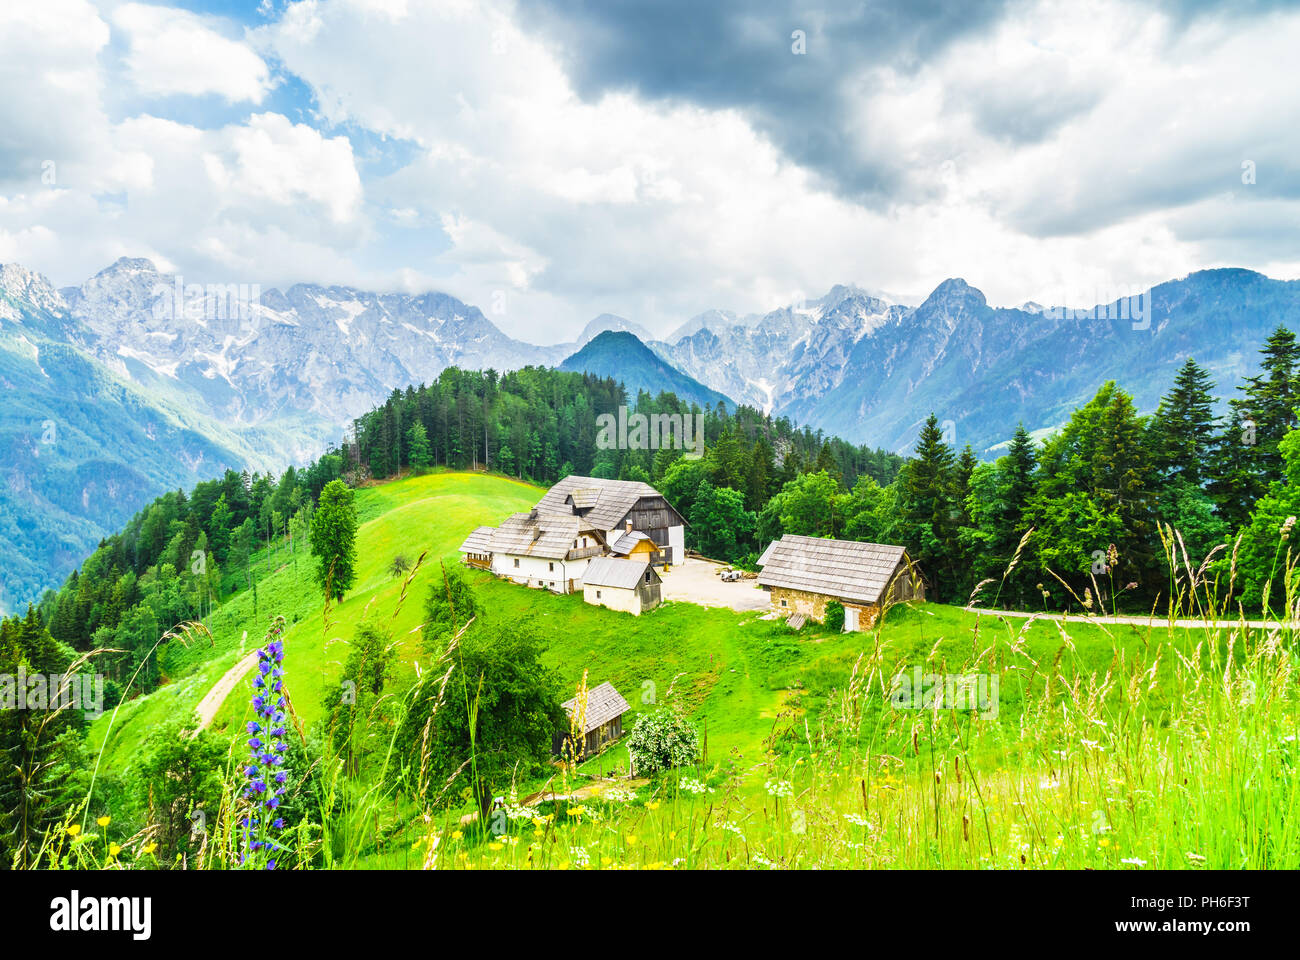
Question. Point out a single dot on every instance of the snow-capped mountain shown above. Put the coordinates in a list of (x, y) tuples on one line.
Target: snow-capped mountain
[(872, 371), (783, 357), (313, 353), (134, 381)]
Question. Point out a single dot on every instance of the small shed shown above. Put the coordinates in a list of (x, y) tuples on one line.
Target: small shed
[(599, 720), (804, 574), (630, 585)]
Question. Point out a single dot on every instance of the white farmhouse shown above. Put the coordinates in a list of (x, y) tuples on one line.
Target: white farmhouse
[(579, 519)]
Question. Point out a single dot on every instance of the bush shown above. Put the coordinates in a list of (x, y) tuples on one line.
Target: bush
[(834, 616), (661, 740)]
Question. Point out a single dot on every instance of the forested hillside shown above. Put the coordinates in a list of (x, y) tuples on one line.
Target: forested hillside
[(1100, 497), (1097, 494)]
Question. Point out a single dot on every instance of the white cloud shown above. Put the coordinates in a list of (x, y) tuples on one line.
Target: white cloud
[(1066, 148), (271, 159), (175, 52)]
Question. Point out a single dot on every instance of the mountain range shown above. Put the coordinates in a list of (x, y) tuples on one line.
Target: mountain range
[(133, 381)]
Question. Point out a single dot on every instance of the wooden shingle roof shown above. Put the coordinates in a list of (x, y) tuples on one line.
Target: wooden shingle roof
[(608, 500), (480, 541), (604, 703), (628, 541), (844, 569), (615, 572), (548, 536)]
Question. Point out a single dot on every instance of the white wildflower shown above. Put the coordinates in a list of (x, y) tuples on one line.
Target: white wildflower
[(780, 788)]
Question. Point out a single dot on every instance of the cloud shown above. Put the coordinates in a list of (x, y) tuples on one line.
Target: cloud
[(655, 161), (174, 51), (275, 161), (738, 54), (51, 110)]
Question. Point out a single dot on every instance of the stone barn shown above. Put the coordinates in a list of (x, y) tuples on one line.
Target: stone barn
[(804, 574), (630, 585)]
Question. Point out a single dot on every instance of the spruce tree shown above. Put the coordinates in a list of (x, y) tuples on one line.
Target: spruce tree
[(926, 488), (1245, 457), (1184, 428), (1021, 463)]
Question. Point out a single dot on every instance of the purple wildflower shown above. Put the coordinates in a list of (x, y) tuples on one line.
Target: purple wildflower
[(266, 757)]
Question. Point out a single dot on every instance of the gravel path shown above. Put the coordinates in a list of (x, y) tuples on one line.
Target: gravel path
[(696, 581)]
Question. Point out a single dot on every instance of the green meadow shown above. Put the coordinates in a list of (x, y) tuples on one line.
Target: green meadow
[(1112, 746)]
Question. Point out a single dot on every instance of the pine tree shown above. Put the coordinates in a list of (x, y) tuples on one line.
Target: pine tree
[(1184, 427), (1245, 456), (1021, 462), (761, 469), (826, 462), (417, 446), (926, 489)]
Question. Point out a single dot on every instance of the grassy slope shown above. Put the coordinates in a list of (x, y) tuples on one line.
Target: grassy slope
[(734, 671), (432, 513), (743, 680)]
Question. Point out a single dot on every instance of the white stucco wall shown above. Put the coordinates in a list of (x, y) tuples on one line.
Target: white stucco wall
[(629, 601), (677, 540), (533, 569)]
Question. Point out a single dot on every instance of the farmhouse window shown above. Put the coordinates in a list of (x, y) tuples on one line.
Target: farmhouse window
[(516, 561), (597, 594), (551, 567), (783, 603)]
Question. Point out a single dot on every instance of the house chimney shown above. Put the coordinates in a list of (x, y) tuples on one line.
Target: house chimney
[(629, 525)]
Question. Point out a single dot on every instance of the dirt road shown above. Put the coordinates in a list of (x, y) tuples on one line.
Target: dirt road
[(214, 698)]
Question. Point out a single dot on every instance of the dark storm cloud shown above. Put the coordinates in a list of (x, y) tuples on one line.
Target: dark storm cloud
[(735, 54), (739, 55)]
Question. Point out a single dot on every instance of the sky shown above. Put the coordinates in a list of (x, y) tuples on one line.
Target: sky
[(557, 159)]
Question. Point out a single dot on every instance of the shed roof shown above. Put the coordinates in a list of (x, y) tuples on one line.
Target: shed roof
[(625, 544), (615, 572), (604, 703), (845, 569)]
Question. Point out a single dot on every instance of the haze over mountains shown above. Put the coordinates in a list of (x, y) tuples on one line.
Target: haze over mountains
[(123, 386)]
